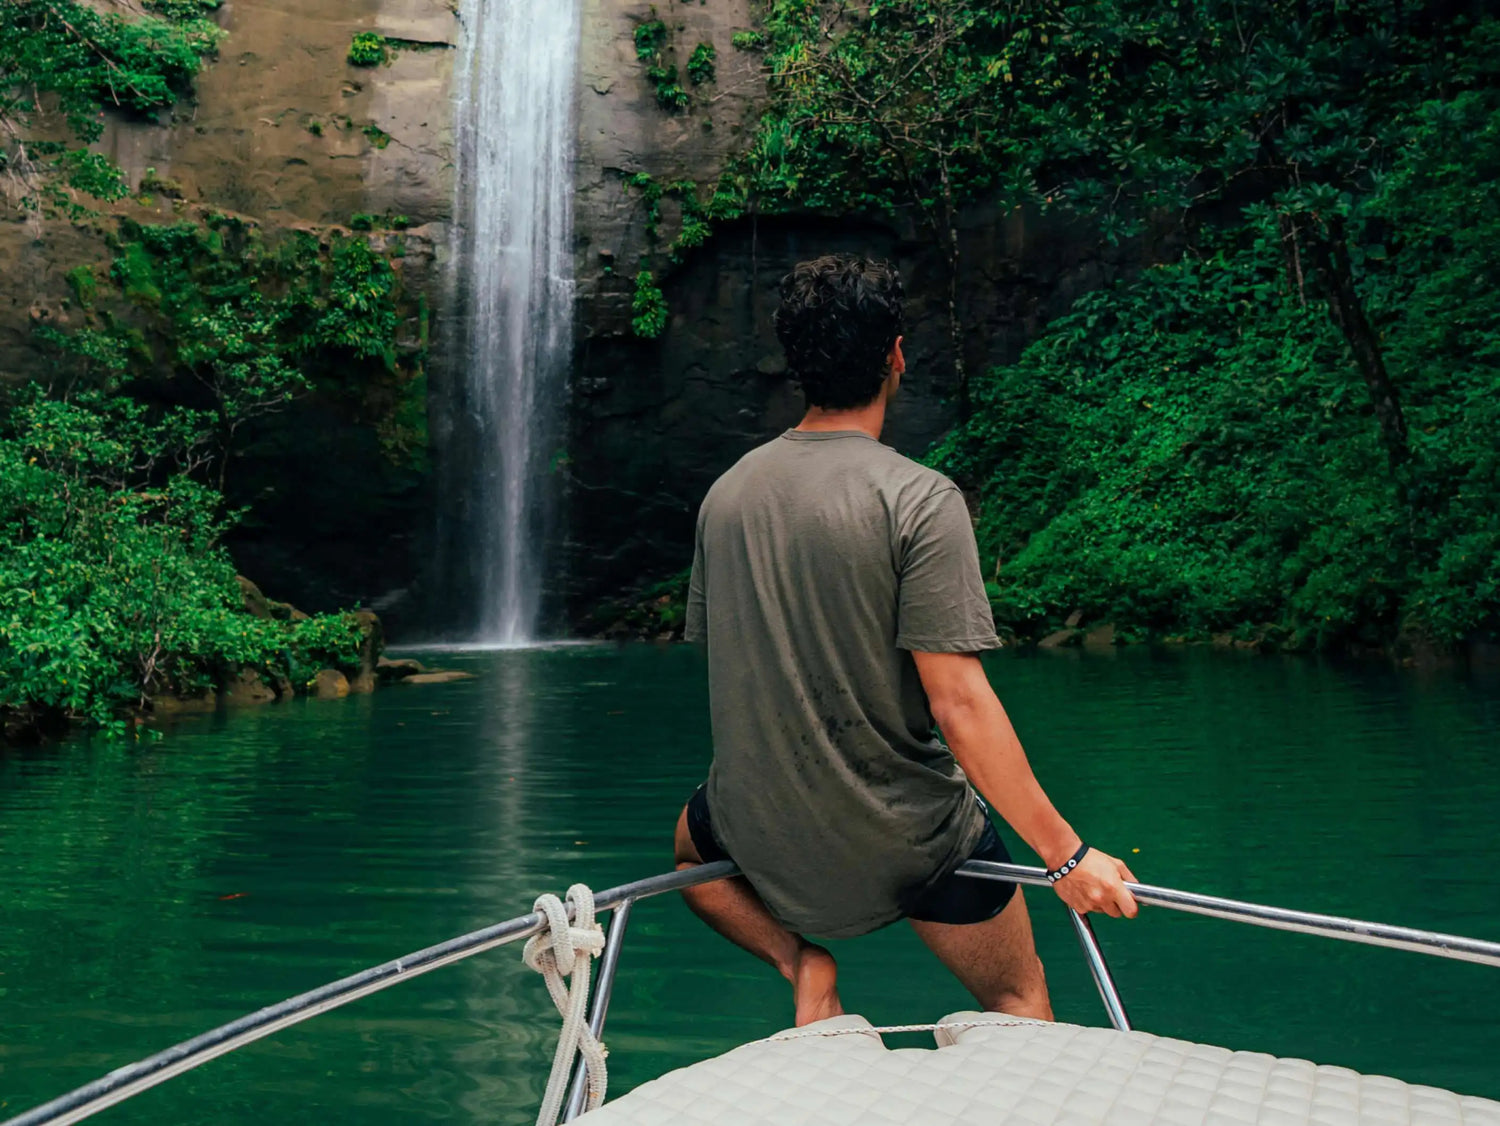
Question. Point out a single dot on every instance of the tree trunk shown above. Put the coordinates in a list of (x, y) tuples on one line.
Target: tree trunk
[(956, 330), (1291, 254), (955, 322), (1348, 314)]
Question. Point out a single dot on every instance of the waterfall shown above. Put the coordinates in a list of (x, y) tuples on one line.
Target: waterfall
[(511, 288)]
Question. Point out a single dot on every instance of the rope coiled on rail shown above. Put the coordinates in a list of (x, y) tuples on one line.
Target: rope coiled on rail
[(562, 950)]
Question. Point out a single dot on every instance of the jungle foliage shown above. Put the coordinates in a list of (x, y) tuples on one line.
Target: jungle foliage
[(213, 317), (1287, 430), (121, 476), (115, 585), (62, 64), (1187, 453)]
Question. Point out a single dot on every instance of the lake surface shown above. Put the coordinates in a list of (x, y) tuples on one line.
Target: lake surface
[(149, 892)]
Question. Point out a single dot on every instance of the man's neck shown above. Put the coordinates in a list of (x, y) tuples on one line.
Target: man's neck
[(868, 419)]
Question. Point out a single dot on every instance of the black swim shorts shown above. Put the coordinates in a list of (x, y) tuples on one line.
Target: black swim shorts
[(952, 899)]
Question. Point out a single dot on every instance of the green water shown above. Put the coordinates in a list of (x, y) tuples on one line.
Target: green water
[(150, 892)]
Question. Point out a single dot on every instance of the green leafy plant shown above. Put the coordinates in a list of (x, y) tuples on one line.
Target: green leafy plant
[(367, 48), (700, 66), (657, 611), (669, 92), (376, 135), (696, 227), (747, 40), (651, 194), (368, 221), (649, 307), (650, 38)]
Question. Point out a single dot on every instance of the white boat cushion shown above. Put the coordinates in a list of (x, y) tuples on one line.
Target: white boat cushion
[(1000, 1071)]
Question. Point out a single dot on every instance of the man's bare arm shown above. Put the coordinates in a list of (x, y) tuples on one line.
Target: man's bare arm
[(980, 734)]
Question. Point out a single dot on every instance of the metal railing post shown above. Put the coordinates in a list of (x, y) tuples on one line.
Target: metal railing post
[(619, 919), (1093, 954)]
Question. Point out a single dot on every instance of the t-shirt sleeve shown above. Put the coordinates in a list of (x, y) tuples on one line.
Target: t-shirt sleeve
[(696, 626), (942, 605)]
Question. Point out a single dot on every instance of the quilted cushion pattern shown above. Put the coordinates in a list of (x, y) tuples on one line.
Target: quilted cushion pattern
[(1027, 1074)]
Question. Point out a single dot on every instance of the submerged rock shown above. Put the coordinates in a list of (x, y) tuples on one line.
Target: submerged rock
[(398, 668), (1060, 639), (329, 684), (1101, 637), (439, 677), (185, 705), (249, 688)]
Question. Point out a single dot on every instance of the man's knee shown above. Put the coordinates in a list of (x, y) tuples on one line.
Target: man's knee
[(1024, 996)]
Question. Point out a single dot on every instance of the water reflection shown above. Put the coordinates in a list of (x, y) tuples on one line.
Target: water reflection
[(149, 892)]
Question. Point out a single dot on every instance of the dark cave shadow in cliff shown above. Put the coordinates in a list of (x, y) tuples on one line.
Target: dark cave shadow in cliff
[(652, 423)]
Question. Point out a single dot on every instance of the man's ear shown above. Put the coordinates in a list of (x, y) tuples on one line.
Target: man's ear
[(896, 360)]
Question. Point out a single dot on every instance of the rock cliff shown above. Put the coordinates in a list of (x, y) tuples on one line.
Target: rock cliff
[(277, 133), (284, 131), (653, 422)]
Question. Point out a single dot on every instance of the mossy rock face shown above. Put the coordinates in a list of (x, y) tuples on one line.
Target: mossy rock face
[(363, 677), (152, 184), (257, 605)]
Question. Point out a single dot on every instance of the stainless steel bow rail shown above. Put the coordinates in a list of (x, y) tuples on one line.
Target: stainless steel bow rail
[(134, 1078)]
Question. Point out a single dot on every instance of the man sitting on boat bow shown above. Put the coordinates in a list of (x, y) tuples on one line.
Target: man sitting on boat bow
[(837, 586)]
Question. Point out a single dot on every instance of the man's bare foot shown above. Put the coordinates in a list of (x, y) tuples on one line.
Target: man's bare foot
[(815, 985)]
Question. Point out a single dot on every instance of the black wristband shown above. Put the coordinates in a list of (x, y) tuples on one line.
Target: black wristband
[(1059, 873)]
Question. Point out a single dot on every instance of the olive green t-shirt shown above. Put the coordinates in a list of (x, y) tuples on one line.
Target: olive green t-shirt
[(822, 560)]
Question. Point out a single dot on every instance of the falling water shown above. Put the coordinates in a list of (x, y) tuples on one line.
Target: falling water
[(512, 279)]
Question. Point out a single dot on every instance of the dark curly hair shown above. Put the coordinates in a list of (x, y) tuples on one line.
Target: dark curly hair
[(838, 321)]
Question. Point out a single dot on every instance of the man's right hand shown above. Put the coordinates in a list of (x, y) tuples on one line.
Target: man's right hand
[(1098, 884)]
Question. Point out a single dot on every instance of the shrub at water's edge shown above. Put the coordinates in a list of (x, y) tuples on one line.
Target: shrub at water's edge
[(1187, 454), (187, 358), (114, 589), (657, 612)]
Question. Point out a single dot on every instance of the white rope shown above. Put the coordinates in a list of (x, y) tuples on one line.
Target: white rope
[(563, 950)]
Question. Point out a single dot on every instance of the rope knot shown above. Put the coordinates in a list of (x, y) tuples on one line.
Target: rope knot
[(560, 944), (563, 949)]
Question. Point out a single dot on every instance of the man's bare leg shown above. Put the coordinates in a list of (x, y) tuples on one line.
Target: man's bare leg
[(733, 909), (995, 960)]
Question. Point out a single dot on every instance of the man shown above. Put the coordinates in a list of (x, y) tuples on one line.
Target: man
[(837, 586)]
